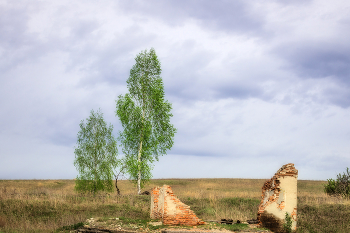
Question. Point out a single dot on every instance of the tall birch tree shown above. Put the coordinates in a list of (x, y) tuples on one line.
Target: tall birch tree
[(145, 117)]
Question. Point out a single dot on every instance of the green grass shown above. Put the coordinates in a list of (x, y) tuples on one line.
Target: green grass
[(52, 205)]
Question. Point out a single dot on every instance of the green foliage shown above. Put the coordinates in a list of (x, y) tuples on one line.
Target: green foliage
[(330, 187), (288, 224), (145, 118), (341, 186), (96, 155)]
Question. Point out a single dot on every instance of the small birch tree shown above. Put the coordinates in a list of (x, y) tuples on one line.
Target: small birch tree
[(96, 155), (145, 118)]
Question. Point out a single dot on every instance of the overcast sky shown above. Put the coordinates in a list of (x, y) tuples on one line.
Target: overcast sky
[(253, 84)]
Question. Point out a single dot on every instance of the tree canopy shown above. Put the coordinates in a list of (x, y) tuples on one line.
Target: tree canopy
[(95, 155), (145, 117)]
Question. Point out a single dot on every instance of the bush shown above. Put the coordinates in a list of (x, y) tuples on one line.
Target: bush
[(339, 187), (288, 224)]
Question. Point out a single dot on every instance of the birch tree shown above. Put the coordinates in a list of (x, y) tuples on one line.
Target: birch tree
[(96, 155), (145, 117)]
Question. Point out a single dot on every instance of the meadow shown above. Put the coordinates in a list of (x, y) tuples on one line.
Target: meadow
[(54, 206)]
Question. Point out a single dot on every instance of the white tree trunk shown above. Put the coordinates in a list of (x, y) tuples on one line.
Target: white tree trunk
[(139, 175), (139, 161)]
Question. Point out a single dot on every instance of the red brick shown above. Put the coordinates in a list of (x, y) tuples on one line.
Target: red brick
[(183, 216)]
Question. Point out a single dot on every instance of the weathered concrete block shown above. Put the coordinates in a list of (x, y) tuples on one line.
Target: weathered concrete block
[(167, 207), (279, 196)]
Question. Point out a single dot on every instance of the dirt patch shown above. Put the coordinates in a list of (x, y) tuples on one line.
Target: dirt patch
[(98, 225)]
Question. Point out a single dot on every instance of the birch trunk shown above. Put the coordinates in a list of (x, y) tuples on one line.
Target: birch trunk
[(139, 161), (139, 175)]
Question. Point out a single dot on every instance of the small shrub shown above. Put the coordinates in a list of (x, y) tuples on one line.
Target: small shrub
[(330, 187), (288, 224), (339, 187)]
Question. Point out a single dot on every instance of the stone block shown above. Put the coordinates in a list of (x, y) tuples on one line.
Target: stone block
[(167, 207), (279, 196)]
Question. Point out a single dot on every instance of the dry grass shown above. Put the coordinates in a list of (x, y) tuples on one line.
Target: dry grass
[(47, 205)]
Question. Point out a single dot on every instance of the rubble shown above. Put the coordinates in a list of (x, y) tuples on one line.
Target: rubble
[(167, 207)]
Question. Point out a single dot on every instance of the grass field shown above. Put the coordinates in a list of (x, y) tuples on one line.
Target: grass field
[(52, 205)]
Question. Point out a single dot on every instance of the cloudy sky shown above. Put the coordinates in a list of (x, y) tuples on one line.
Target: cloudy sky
[(253, 84)]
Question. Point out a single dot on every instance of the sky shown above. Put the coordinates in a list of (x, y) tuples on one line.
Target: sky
[(253, 84)]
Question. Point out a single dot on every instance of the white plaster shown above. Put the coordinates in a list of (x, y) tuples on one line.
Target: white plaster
[(161, 201), (171, 205), (288, 194)]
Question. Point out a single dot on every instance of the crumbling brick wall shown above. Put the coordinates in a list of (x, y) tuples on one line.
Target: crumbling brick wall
[(155, 212), (167, 207), (279, 196)]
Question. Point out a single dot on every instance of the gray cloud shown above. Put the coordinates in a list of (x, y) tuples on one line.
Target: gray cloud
[(327, 61), (247, 82), (339, 96), (318, 60), (109, 62), (239, 91), (15, 42), (225, 16)]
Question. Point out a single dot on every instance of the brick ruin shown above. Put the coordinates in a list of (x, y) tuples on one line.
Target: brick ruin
[(279, 196), (167, 207)]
